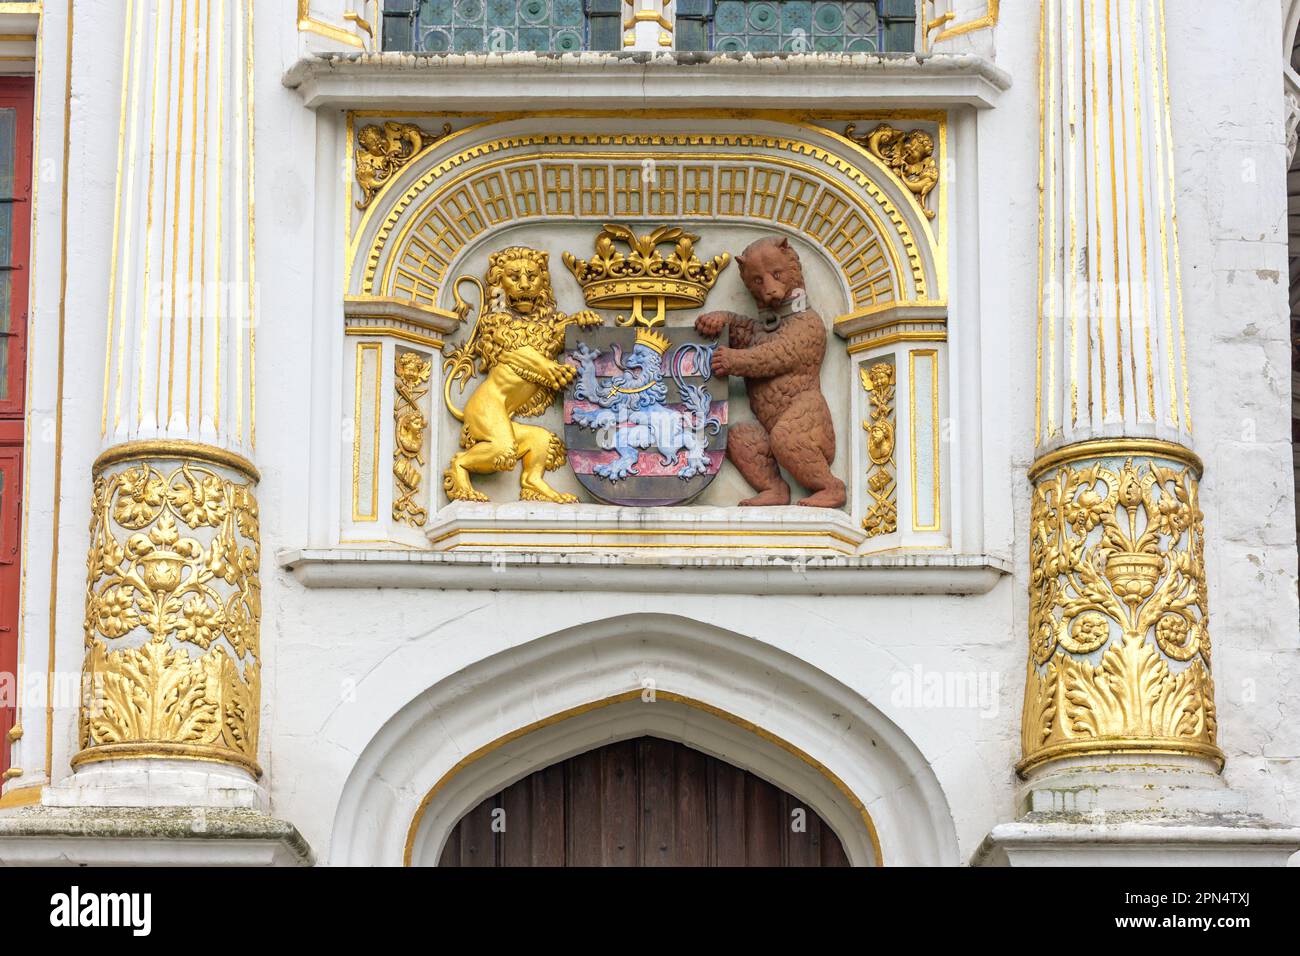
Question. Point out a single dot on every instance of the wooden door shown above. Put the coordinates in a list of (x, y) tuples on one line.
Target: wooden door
[(643, 802)]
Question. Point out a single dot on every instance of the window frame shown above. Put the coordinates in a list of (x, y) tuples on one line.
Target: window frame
[(16, 93)]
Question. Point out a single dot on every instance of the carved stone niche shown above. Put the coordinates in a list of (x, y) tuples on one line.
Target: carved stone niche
[(646, 240), (392, 363)]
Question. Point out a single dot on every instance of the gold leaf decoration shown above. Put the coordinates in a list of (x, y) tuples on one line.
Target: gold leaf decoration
[(909, 156), (173, 609), (382, 151), (1118, 613), (882, 483), (410, 425)]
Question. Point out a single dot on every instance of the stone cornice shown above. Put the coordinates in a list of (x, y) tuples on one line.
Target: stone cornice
[(508, 81), (903, 573)]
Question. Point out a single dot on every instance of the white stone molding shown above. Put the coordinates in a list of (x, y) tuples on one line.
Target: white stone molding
[(701, 573), (783, 699), (152, 836), (1131, 843), (494, 81)]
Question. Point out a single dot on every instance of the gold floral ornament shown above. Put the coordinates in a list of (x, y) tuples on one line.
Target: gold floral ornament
[(173, 605), (381, 151), (1118, 615), (882, 485), (909, 155), (410, 427)]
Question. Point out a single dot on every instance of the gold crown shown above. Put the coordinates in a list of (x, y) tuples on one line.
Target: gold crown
[(652, 339), (612, 280)]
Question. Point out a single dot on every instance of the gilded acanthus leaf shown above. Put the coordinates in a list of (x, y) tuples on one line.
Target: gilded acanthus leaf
[(173, 603), (1118, 617)]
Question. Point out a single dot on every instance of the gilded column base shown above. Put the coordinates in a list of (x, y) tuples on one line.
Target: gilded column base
[(173, 607), (1119, 659)]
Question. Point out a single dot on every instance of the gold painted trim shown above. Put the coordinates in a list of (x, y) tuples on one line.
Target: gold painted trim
[(901, 304), (22, 797), (354, 306), (58, 411), (362, 349), (990, 19), (1120, 745), (813, 120), (309, 24), (934, 335), (395, 333), (894, 242), (178, 449), (755, 729), (526, 546), (1117, 448), (834, 535), (933, 356), (807, 120), (165, 750)]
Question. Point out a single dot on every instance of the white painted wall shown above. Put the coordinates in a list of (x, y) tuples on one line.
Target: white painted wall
[(340, 665)]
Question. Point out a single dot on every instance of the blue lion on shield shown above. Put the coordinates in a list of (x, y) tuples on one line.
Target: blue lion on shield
[(632, 404)]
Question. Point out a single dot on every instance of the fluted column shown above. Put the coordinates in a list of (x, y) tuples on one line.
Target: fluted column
[(1119, 657), (173, 597)]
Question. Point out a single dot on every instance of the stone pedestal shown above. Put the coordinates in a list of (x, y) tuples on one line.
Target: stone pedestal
[(120, 836)]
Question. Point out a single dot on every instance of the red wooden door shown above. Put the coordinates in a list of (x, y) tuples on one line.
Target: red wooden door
[(15, 233), (643, 802)]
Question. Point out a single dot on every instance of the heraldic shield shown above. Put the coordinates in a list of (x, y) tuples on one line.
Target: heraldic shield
[(645, 420)]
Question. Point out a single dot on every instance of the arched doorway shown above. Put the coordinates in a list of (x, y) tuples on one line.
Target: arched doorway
[(461, 738), (645, 801)]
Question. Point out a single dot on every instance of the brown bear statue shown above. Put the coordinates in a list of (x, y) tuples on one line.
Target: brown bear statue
[(780, 357)]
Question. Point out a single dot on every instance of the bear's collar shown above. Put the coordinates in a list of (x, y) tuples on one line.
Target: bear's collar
[(772, 318)]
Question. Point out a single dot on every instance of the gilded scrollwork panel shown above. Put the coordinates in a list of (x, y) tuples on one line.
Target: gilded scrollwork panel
[(383, 149), (410, 430), (1119, 620), (909, 154), (879, 380), (173, 611)]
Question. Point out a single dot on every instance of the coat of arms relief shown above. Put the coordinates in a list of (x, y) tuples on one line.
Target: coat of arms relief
[(645, 404)]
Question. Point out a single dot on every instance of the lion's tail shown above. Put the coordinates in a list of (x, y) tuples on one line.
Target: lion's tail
[(446, 397), (459, 363)]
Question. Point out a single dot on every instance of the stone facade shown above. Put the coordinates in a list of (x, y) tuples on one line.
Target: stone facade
[(395, 657)]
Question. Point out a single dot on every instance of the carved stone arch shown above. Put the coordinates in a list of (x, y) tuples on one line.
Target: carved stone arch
[(736, 698), (782, 174)]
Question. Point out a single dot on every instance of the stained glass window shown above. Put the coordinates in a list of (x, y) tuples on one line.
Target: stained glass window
[(729, 26), (499, 26), (796, 26)]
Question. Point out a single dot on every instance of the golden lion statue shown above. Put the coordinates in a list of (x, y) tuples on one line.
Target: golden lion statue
[(515, 342)]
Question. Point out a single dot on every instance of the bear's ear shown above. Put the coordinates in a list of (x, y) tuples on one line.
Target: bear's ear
[(740, 262), (784, 243)]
